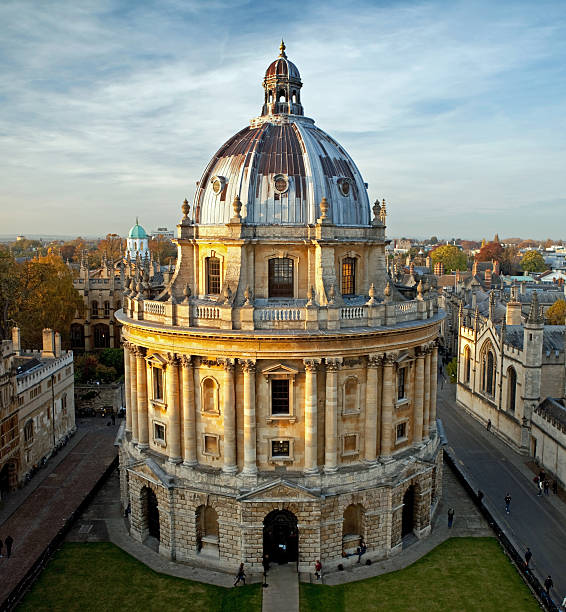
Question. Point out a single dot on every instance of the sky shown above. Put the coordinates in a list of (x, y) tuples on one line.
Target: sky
[(454, 112)]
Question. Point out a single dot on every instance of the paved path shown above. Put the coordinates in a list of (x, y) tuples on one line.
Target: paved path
[(53, 495), (538, 522), (282, 594)]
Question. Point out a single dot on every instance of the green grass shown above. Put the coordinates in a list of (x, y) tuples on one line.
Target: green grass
[(99, 576), (462, 574)]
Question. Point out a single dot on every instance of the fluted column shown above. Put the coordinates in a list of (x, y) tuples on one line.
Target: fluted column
[(143, 417), (331, 415), (370, 433), (229, 412), (133, 407), (189, 425), (311, 450), (173, 409), (127, 387), (426, 415), (387, 407), (433, 387), (418, 413), (250, 465)]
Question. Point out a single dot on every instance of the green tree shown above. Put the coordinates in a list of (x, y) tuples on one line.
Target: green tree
[(451, 256), (556, 314), (533, 261), (452, 369), (113, 358)]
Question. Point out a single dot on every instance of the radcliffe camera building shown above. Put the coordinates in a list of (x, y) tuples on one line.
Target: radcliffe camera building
[(281, 393)]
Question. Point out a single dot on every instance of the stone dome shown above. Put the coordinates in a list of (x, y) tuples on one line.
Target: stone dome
[(281, 166)]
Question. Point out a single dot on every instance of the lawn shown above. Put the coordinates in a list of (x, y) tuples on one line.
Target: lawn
[(100, 576), (462, 574)]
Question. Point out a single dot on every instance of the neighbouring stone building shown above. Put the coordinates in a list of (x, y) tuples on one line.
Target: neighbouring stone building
[(280, 390), (36, 405)]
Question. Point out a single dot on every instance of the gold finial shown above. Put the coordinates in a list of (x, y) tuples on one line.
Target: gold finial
[(282, 49)]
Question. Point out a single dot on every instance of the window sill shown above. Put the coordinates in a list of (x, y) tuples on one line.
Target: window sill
[(284, 417), (352, 413), (157, 403), (401, 440), (158, 442), (211, 413), (281, 459), (402, 402), (350, 453)]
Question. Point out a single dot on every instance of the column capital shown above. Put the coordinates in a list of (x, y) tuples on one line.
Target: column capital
[(139, 351), (127, 345), (311, 365), (172, 360), (333, 364), (389, 359), (227, 363), (248, 366), (374, 360), (186, 361)]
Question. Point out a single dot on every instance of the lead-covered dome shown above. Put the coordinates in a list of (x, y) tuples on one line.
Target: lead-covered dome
[(281, 166)]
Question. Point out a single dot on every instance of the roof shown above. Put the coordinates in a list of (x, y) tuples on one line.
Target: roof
[(137, 231), (553, 409), (552, 339)]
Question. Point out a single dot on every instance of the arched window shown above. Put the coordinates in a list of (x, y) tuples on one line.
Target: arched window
[(352, 528), (209, 395), (270, 99), (282, 96), (212, 275), (28, 431), (294, 97), (207, 530), (94, 309), (348, 276), (101, 336), (488, 371), (106, 310), (150, 512), (511, 389), (467, 364), (281, 277), (77, 336)]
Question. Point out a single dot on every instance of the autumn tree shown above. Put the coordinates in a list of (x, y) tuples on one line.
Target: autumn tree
[(556, 314), (162, 248), (490, 251), (533, 261), (510, 260), (451, 256)]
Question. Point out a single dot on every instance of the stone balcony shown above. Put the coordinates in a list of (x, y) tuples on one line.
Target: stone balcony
[(279, 315)]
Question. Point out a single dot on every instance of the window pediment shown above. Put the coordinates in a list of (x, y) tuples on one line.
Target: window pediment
[(157, 360), (280, 370)]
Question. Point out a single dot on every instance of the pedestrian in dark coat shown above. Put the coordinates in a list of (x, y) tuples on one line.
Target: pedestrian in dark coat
[(362, 548), (241, 575), (488, 426), (507, 502), (9, 542), (528, 555), (265, 563), (548, 584), (555, 487), (546, 486), (450, 517)]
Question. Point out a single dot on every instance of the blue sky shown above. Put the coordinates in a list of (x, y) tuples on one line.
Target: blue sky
[(455, 112)]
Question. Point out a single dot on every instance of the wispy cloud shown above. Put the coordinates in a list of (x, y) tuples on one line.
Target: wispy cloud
[(453, 111)]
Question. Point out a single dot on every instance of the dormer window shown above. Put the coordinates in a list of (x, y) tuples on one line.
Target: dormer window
[(281, 277)]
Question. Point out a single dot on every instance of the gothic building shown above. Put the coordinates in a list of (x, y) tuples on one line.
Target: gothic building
[(281, 392)]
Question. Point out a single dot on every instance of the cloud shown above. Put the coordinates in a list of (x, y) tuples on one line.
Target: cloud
[(452, 111)]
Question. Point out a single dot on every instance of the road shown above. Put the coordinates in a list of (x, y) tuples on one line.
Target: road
[(537, 522)]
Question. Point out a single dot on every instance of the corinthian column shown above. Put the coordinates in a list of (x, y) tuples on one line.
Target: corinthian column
[(229, 412), (370, 446), (174, 435), (133, 382), (433, 388), (387, 407), (331, 415), (311, 450), (141, 380), (250, 465), (128, 387), (189, 429), (418, 413), (426, 415)]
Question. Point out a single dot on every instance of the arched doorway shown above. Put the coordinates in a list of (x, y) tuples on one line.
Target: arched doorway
[(281, 537), (408, 520), (151, 512)]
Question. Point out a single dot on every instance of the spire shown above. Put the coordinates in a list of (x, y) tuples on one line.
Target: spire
[(282, 49), (534, 313), (137, 220)]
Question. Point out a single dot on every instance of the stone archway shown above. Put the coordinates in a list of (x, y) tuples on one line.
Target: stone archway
[(408, 516), (281, 537), (150, 510)]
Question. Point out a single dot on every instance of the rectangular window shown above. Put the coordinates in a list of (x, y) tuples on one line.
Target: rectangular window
[(281, 277), (211, 445), (279, 396), (157, 383), (348, 276), (401, 431), (401, 375), (159, 432), (350, 444), (213, 275), (280, 448)]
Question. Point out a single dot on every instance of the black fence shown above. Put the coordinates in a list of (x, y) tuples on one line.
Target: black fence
[(39, 565), (508, 547)]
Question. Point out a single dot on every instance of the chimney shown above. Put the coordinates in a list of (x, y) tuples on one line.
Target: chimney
[(16, 343), (513, 313), (48, 343), (487, 279), (495, 267), (57, 344)]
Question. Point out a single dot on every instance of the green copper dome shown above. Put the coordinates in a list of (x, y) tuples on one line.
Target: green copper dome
[(137, 231)]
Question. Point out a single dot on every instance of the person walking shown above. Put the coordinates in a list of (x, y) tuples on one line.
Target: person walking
[(488, 426), (265, 563), (546, 486), (540, 488), (507, 502), (555, 487), (317, 569), (548, 584), (361, 550), (9, 541), (528, 556), (241, 575), (450, 517)]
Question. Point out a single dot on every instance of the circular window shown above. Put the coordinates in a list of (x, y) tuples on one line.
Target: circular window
[(344, 186), (281, 183), (217, 184)]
